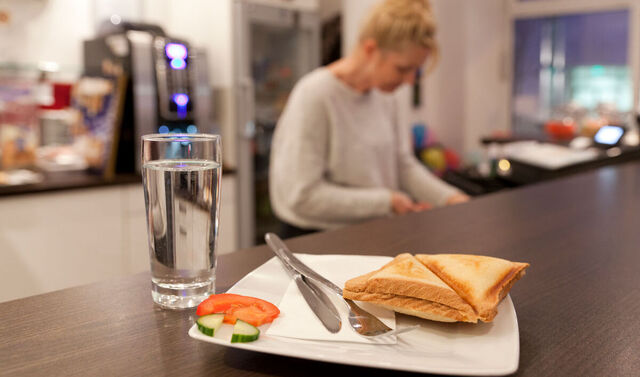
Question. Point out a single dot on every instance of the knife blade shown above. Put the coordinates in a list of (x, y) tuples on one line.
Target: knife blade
[(317, 300)]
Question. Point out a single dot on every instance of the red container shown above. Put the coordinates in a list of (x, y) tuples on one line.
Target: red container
[(61, 96), (560, 129)]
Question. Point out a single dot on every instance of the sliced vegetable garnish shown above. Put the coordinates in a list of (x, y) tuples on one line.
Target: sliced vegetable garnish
[(252, 310), (244, 332), (210, 323)]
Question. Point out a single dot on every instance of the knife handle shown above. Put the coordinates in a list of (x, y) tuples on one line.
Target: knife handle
[(289, 259)]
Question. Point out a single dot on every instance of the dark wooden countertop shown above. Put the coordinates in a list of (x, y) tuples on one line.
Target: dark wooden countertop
[(58, 181), (577, 307), (67, 181)]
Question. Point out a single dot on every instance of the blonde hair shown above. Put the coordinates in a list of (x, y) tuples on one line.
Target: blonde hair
[(395, 23)]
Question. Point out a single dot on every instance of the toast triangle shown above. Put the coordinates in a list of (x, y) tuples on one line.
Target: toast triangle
[(482, 281)]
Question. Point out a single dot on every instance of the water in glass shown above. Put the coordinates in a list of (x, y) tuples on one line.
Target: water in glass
[(182, 200)]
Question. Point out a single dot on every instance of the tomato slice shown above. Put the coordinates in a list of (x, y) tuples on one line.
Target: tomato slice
[(249, 309), (222, 302)]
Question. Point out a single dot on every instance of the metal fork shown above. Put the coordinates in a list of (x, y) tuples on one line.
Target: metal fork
[(363, 322)]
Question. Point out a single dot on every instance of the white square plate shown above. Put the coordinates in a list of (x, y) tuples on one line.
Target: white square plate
[(445, 348)]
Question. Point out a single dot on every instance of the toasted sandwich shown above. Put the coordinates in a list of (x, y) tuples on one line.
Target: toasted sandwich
[(439, 287), (406, 286)]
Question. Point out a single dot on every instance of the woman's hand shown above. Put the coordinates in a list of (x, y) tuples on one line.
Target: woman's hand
[(457, 198), (421, 206), (401, 203)]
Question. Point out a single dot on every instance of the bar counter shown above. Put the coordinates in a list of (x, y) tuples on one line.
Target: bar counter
[(74, 180), (577, 307), (59, 181)]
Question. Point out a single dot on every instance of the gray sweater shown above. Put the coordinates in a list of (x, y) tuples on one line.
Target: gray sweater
[(337, 155)]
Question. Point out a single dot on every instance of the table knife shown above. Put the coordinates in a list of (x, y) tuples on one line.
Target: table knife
[(317, 300)]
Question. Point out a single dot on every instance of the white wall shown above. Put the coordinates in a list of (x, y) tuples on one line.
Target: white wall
[(487, 90), (50, 30), (444, 94)]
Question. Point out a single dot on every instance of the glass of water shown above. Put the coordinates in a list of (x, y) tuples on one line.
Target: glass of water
[(181, 175)]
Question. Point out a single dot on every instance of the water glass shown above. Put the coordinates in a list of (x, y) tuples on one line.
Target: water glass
[(181, 176)]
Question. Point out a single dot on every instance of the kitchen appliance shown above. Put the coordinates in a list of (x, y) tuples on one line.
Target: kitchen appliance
[(275, 43), (167, 86)]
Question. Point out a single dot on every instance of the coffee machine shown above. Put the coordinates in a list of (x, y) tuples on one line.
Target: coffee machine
[(167, 89)]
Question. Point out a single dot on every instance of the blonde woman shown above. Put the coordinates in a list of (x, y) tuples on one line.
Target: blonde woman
[(339, 155)]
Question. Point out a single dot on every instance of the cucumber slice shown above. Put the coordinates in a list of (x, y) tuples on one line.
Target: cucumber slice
[(210, 323), (244, 332)]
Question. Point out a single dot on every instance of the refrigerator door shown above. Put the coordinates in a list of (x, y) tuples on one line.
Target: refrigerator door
[(274, 47)]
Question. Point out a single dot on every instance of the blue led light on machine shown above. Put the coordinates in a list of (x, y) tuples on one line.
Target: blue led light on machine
[(177, 53), (181, 100), (177, 63)]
